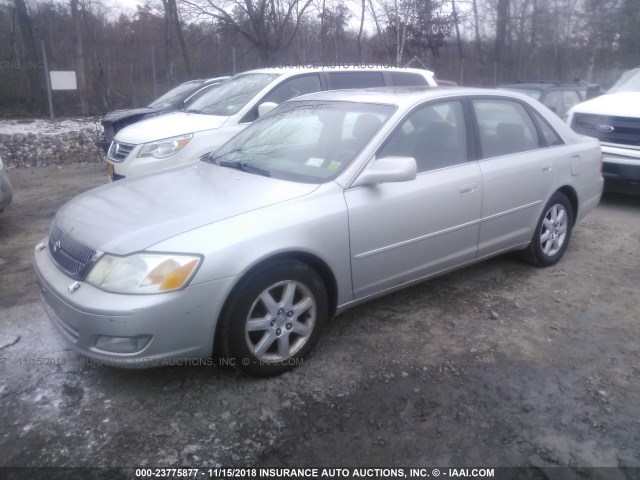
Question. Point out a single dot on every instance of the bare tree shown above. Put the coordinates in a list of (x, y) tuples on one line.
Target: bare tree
[(501, 36), (30, 53), (269, 25), (173, 29), (79, 57)]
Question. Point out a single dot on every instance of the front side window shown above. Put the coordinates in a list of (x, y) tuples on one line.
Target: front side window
[(505, 127), (294, 87), (229, 97), (434, 135), (304, 141)]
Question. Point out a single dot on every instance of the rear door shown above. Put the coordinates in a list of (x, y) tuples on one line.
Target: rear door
[(517, 169)]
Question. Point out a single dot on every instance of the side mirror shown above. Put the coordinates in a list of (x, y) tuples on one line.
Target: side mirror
[(265, 108), (387, 169)]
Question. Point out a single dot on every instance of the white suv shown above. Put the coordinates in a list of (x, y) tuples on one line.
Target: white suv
[(183, 137), (614, 119)]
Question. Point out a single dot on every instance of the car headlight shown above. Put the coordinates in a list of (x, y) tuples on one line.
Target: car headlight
[(164, 148), (143, 273)]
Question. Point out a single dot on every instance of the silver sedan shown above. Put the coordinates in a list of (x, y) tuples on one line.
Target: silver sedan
[(329, 200)]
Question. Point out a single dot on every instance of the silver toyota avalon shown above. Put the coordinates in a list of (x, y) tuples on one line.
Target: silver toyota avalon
[(327, 201)]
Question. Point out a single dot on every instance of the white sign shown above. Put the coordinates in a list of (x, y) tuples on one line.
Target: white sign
[(61, 80)]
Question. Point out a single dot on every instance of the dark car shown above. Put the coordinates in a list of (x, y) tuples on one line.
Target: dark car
[(556, 96), (171, 101)]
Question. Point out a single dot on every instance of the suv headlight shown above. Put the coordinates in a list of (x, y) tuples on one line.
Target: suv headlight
[(164, 148), (143, 273)]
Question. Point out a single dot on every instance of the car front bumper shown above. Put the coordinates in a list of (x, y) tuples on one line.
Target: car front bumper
[(155, 330), (621, 169)]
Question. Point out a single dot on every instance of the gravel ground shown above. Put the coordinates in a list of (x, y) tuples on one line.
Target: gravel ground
[(499, 364)]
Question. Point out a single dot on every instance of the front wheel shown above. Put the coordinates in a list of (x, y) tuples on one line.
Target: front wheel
[(274, 318), (552, 234)]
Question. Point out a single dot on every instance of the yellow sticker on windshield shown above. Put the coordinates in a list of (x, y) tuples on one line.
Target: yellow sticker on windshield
[(334, 165)]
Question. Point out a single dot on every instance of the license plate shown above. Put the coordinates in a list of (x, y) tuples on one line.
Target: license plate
[(110, 170)]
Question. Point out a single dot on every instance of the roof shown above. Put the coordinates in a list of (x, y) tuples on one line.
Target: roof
[(542, 85), (291, 69), (405, 96)]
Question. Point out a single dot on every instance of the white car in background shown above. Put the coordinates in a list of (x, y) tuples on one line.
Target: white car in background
[(183, 137), (614, 119)]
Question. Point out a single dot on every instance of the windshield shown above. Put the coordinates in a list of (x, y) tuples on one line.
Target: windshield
[(305, 141), (175, 95), (628, 82), (232, 95)]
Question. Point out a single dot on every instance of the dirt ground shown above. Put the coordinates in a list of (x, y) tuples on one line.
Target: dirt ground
[(499, 364)]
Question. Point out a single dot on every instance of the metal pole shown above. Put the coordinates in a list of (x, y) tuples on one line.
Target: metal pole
[(153, 72), (47, 79), (233, 59)]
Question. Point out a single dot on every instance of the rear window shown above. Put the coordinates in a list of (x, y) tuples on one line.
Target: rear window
[(343, 80), (406, 79)]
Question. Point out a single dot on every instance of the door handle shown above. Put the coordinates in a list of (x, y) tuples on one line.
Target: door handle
[(546, 168), (467, 188)]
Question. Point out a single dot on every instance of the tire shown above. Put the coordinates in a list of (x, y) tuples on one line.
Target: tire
[(552, 234), (274, 318)]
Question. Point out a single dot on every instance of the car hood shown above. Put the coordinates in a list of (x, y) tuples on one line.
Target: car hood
[(170, 125), (622, 104), (134, 214), (118, 115)]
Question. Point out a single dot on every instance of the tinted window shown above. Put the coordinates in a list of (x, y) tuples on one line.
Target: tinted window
[(402, 79), (433, 134), (293, 87), (341, 80), (505, 127)]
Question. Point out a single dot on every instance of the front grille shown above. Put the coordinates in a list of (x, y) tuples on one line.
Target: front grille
[(69, 254), (608, 129), (119, 151)]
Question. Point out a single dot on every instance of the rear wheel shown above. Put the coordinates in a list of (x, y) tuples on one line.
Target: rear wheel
[(274, 318), (552, 234)]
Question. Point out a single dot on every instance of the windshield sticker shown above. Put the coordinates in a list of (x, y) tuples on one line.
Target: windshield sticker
[(334, 165), (315, 162)]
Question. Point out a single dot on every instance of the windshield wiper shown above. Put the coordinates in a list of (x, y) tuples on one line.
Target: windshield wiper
[(245, 167)]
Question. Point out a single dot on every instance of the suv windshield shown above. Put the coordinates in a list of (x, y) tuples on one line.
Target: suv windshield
[(304, 141), (230, 96), (175, 94), (628, 82)]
